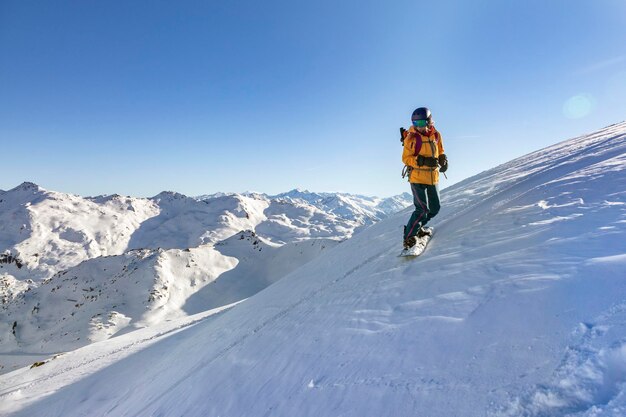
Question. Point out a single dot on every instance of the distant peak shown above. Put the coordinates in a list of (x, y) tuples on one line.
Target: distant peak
[(27, 186), (169, 196), (214, 195), (296, 193)]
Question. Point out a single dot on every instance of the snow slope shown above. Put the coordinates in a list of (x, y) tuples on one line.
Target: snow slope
[(107, 296), (517, 308)]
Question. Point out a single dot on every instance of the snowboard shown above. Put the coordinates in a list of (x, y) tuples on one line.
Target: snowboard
[(419, 247)]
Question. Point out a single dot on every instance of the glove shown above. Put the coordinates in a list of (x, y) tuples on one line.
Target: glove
[(426, 161), (443, 163)]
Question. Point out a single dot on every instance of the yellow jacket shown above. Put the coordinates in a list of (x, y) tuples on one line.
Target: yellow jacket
[(429, 146)]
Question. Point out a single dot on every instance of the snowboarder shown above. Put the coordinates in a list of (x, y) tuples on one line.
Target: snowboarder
[(424, 158)]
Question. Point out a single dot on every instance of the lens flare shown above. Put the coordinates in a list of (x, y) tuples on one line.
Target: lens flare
[(578, 106)]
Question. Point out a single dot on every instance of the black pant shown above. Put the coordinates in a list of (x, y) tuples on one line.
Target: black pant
[(426, 200)]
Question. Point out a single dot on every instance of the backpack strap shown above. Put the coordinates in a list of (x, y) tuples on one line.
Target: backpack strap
[(418, 143)]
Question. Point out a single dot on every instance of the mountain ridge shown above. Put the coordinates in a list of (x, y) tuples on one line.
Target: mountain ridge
[(82, 228)]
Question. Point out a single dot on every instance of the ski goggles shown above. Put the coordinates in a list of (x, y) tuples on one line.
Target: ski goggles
[(420, 123)]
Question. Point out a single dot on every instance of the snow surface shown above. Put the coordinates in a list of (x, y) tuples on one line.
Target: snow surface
[(516, 308)]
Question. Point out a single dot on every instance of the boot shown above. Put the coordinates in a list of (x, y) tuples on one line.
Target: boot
[(424, 231), (409, 242)]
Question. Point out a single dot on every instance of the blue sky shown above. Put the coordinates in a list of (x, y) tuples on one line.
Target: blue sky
[(136, 97)]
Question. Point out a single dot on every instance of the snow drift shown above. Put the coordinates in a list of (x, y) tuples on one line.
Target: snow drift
[(517, 308)]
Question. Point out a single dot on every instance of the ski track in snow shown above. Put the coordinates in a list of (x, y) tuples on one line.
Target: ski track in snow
[(271, 320)]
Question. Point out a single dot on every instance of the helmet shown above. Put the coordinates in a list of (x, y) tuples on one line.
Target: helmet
[(422, 113)]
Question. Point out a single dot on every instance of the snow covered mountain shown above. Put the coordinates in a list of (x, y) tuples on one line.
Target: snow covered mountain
[(47, 232), (109, 295), (357, 207), (300, 214), (517, 308), (76, 270)]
